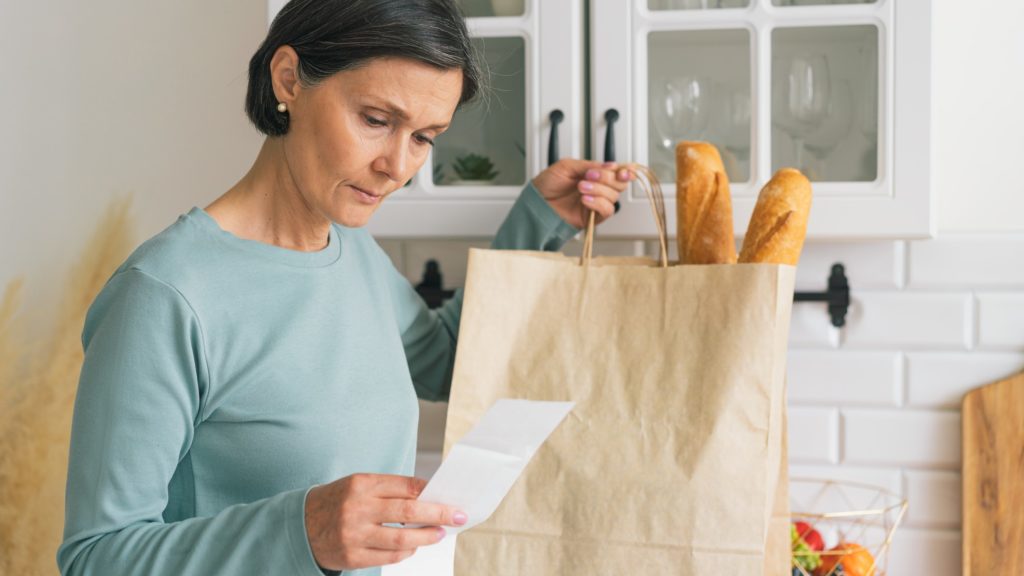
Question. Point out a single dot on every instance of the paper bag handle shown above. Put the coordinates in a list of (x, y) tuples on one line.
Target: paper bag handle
[(649, 182)]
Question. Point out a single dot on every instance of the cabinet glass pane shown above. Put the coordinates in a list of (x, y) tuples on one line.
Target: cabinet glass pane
[(485, 8), (825, 102), (486, 144), (819, 2), (699, 89), (695, 4)]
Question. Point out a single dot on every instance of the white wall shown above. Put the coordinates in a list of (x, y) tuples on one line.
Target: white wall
[(978, 108), (107, 97)]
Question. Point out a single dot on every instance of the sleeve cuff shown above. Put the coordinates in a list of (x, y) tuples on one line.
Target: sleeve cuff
[(295, 531), (545, 215), (533, 225)]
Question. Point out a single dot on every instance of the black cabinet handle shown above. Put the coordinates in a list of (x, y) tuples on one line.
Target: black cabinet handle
[(556, 118), (611, 117)]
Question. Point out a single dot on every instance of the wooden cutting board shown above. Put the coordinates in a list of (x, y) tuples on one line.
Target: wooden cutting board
[(993, 479)]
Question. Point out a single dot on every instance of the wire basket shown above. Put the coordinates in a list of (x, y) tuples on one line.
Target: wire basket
[(854, 522)]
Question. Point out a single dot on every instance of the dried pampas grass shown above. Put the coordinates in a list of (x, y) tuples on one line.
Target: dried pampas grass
[(37, 392)]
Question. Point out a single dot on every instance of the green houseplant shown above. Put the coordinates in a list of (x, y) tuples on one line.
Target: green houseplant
[(474, 167)]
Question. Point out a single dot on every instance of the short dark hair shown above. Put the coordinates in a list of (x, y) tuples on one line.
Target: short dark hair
[(334, 35)]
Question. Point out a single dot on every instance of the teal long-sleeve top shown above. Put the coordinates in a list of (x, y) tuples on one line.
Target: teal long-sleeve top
[(223, 378)]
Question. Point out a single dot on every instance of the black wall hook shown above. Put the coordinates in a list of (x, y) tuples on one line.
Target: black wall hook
[(837, 296), (431, 288)]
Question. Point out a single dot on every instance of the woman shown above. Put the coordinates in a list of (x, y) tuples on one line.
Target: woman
[(247, 404)]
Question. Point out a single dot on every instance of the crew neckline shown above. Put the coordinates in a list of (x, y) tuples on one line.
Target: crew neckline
[(320, 258)]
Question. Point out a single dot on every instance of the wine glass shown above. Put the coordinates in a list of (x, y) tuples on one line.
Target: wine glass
[(822, 141), (801, 95), (680, 105), (732, 127)]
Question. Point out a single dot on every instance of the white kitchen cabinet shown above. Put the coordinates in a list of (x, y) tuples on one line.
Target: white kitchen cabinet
[(838, 88)]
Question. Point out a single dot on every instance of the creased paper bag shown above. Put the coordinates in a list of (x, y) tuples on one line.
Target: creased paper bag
[(673, 461)]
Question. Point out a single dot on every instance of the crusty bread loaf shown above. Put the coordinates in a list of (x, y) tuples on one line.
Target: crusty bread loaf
[(703, 206), (779, 222)]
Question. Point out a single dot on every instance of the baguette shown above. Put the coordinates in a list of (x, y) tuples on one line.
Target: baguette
[(779, 222), (703, 206)]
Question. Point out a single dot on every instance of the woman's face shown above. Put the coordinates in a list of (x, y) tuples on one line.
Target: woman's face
[(363, 133)]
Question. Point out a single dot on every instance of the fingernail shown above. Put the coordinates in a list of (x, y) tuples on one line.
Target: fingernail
[(459, 518), (588, 199), (441, 533), (593, 175), (588, 186), (624, 175)]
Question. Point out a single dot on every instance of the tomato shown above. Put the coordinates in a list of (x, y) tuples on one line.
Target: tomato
[(810, 535)]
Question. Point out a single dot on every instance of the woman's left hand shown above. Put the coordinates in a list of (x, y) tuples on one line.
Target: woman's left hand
[(575, 187)]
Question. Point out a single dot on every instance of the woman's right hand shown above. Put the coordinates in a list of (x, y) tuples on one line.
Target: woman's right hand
[(345, 521)]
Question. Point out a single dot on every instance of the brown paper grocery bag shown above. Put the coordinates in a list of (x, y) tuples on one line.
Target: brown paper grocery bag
[(673, 460)]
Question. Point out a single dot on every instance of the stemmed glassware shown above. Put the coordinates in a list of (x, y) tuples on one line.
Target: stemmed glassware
[(801, 97), (680, 110), (731, 128), (833, 128)]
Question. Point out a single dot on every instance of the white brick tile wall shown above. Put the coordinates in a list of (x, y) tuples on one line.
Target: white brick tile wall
[(813, 435), (394, 249), (934, 499), (845, 378), (451, 255), (931, 552), (940, 379), (886, 478), (909, 319), (432, 421), (574, 247), (870, 265), (917, 438), (1001, 320), (811, 327), (957, 262)]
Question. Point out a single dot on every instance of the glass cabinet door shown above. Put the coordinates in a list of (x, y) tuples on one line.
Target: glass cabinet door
[(772, 83), (825, 102), (698, 88), (491, 8), (486, 143)]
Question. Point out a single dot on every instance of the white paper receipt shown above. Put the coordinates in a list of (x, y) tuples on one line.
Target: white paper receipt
[(480, 470)]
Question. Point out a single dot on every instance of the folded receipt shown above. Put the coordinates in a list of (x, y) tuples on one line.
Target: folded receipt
[(480, 470)]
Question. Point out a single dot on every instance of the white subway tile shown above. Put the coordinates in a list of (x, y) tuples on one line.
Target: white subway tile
[(574, 247), (940, 380), (909, 319), (427, 462), (887, 478), (990, 261), (934, 499), (931, 552), (867, 264), (811, 327), (654, 250), (901, 438), (393, 248), (451, 255), (433, 416), (844, 377), (813, 435), (1001, 320)]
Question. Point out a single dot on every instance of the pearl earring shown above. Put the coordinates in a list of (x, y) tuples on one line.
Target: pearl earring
[(282, 107)]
